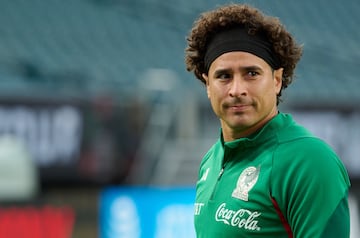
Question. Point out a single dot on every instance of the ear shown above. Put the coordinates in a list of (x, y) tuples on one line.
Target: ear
[(278, 74), (206, 78)]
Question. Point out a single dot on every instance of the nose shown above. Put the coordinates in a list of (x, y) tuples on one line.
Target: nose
[(237, 88)]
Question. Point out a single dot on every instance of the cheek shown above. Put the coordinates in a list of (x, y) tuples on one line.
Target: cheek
[(215, 96), (212, 92), (266, 95)]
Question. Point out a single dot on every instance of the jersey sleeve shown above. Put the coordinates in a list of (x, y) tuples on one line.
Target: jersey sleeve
[(310, 185), (338, 223)]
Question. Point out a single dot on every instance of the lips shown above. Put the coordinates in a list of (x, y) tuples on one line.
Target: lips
[(238, 107)]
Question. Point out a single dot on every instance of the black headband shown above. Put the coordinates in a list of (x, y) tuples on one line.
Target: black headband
[(238, 39)]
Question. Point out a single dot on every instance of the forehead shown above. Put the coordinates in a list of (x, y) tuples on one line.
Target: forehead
[(238, 59)]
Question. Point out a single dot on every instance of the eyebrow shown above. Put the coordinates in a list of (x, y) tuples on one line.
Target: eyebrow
[(221, 71), (252, 68), (242, 69)]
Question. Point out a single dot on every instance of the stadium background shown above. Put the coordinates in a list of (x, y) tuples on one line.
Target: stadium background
[(94, 93)]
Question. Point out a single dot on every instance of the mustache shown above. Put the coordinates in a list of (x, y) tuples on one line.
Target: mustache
[(238, 102)]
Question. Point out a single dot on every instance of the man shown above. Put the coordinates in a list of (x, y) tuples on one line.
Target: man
[(266, 176)]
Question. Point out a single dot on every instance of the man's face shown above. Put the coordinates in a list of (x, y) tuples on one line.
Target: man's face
[(242, 89)]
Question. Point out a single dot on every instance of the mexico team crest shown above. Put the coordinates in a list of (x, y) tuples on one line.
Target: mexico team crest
[(246, 182)]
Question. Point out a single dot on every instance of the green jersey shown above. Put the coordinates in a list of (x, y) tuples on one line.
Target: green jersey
[(279, 182)]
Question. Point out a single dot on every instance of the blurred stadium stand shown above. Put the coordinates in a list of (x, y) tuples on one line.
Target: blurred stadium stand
[(116, 71)]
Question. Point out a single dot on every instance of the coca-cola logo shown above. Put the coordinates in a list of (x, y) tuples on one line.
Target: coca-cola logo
[(242, 218)]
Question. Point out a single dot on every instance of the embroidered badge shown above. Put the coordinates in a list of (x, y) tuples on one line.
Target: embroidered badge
[(246, 182)]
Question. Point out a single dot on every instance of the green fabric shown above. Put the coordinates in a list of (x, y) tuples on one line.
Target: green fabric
[(339, 222), (283, 161)]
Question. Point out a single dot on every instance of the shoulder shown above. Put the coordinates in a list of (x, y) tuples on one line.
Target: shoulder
[(292, 131), (306, 161), (306, 152), (296, 144), (300, 153), (216, 148)]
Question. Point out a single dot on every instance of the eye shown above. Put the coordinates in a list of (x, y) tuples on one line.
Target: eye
[(253, 73), (223, 76)]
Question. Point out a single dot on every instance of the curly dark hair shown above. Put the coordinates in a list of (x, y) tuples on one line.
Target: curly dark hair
[(211, 22)]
